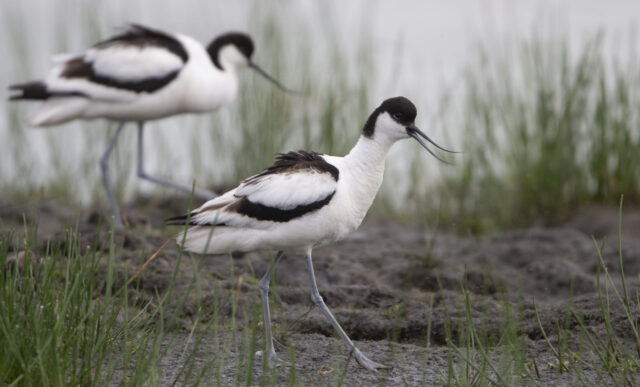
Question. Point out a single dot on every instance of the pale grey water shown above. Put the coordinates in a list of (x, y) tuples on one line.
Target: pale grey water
[(420, 49)]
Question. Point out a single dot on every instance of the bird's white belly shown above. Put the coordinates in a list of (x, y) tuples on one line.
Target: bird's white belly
[(320, 227), (326, 225), (187, 94), (143, 108)]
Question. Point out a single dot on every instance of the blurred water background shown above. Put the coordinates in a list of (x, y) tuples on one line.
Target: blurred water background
[(505, 81)]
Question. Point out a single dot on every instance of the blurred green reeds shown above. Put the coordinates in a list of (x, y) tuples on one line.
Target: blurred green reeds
[(544, 128)]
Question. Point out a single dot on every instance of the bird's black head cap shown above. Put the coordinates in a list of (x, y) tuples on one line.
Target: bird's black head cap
[(241, 40), (400, 109)]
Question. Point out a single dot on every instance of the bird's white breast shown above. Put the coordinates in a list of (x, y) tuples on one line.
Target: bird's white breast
[(353, 198)]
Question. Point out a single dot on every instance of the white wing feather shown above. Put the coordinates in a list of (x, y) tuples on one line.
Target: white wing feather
[(61, 58), (133, 63), (288, 190)]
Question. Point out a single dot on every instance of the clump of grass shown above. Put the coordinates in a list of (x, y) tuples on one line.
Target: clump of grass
[(579, 353), (67, 317), (544, 133), (620, 362), (60, 323), (85, 328)]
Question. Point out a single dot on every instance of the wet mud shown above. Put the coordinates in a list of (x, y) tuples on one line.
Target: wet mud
[(397, 289)]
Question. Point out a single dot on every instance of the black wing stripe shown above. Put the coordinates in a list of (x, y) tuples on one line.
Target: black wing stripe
[(79, 68), (141, 36), (261, 212)]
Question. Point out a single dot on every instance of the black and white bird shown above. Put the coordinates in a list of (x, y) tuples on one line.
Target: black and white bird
[(139, 75), (302, 201)]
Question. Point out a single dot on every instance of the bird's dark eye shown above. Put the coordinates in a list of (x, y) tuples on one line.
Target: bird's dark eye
[(397, 116)]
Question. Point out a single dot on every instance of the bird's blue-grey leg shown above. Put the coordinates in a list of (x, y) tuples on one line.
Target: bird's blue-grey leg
[(317, 299), (270, 351), (104, 166), (199, 193)]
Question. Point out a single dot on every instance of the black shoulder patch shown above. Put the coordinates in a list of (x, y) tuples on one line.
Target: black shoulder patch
[(141, 36), (294, 161), (242, 41)]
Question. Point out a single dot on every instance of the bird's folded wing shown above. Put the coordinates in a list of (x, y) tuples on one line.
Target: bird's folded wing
[(133, 64), (268, 197), (288, 190), (140, 60)]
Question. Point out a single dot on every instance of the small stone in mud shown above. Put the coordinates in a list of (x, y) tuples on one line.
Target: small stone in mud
[(325, 370)]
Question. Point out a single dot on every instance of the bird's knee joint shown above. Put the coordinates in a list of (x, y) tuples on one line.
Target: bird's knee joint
[(317, 299), (263, 286)]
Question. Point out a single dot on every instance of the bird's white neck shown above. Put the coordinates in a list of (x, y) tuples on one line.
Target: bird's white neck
[(365, 165), (369, 154)]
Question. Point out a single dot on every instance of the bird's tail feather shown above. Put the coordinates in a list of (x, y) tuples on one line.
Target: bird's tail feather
[(54, 110), (39, 90), (31, 90), (197, 239), (180, 220)]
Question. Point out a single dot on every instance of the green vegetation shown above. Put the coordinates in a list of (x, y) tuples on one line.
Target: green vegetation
[(545, 133), (62, 323), (543, 126), (69, 317)]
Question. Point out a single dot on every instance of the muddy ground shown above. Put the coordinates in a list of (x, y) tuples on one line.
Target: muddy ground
[(395, 288)]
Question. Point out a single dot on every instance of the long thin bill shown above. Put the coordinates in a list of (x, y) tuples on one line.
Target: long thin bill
[(270, 78), (415, 136), (415, 129)]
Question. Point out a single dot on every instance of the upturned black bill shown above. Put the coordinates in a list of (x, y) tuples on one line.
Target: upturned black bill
[(270, 78), (416, 133)]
